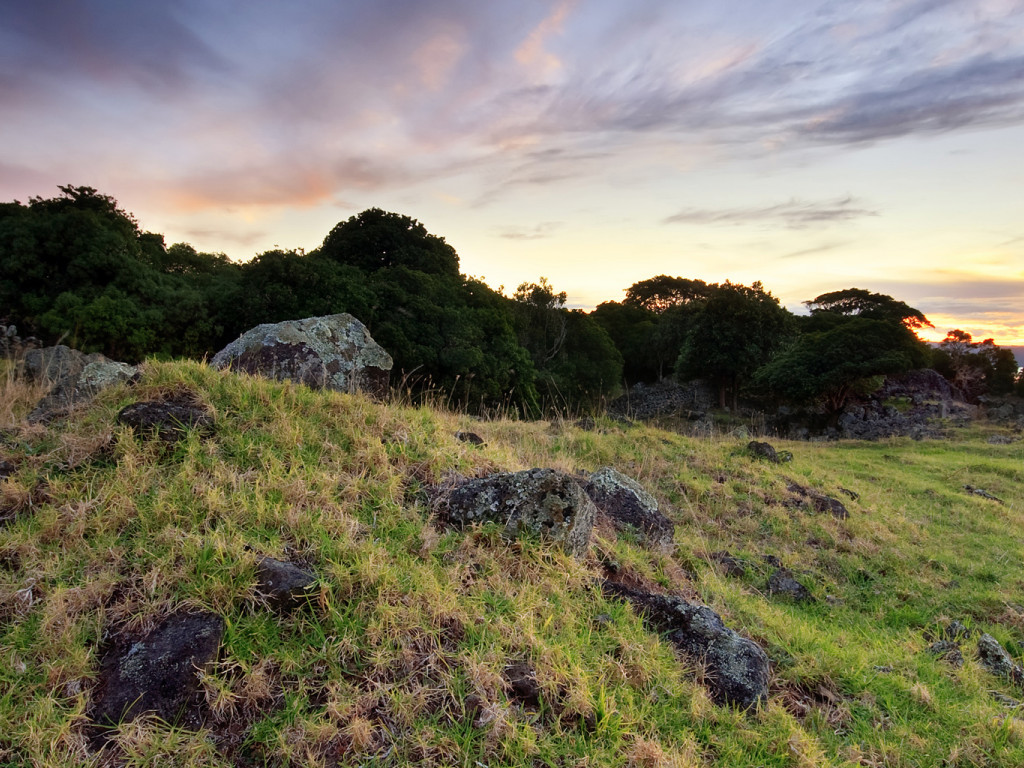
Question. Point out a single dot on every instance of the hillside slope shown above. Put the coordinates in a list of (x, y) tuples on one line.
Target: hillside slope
[(431, 646)]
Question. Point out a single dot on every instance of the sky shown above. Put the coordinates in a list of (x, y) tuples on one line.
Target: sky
[(813, 146)]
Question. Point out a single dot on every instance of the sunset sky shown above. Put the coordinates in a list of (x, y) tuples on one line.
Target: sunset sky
[(811, 145)]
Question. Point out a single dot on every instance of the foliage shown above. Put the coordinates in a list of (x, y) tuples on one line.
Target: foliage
[(878, 306), (732, 334), (828, 366), (660, 293), (976, 368)]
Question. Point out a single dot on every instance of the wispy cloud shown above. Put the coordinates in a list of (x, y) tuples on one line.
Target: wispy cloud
[(536, 232), (795, 214)]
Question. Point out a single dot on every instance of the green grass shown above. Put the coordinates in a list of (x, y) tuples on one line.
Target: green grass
[(399, 659)]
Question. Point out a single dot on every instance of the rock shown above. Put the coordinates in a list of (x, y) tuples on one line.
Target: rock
[(948, 651), (624, 502), (783, 584), (169, 420), (983, 493), (74, 378), (1001, 440), (329, 352), (820, 501), (284, 585), (665, 398), (996, 660), (469, 437), (731, 565), (763, 451), (7, 468), (159, 673), (521, 682), (737, 667), (957, 630), (537, 502), (852, 494), (587, 424)]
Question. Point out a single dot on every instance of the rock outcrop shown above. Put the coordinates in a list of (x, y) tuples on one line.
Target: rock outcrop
[(996, 660), (73, 376), (170, 420), (624, 503), (536, 502), (737, 667), (158, 673), (329, 352)]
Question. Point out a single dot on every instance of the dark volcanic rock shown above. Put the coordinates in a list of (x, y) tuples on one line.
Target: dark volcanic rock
[(624, 502), (169, 420), (763, 451), (535, 502), (948, 651), (159, 673), (665, 398), (284, 585), (996, 660), (783, 584), (7, 468), (731, 565), (820, 501), (738, 668), (521, 682), (469, 437), (73, 376), (329, 352)]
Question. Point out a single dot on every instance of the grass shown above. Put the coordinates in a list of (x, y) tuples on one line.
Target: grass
[(400, 659)]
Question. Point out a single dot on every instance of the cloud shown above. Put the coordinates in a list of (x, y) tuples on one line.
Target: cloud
[(795, 214), (814, 250), (537, 232)]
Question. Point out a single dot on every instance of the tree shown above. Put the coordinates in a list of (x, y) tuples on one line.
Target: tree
[(658, 294), (862, 303), (827, 367), (376, 239), (733, 333), (632, 330), (976, 368)]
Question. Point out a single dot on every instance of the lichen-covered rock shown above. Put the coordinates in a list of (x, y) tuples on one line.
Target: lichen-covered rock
[(158, 673), (283, 585), (629, 507), (536, 502), (170, 419), (820, 502), (783, 584), (329, 352), (761, 450), (73, 376), (996, 660), (737, 667)]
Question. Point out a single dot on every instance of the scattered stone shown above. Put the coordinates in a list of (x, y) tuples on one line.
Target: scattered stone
[(169, 420), (538, 502), (983, 493), (284, 585), (587, 424), (74, 378), (819, 501), (469, 437), (1001, 440), (1007, 701), (783, 584), (731, 565), (624, 502), (665, 398), (885, 670), (996, 660), (521, 683), (852, 494), (738, 669), (740, 433), (771, 560), (7, 468), (957, 630), (948, 651), (763, 451), (159, 673), (329, 352)]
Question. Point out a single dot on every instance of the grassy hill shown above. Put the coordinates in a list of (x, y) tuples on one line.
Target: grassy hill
[(403, 654)]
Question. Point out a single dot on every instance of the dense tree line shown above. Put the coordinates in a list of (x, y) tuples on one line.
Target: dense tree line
[(78, 268)]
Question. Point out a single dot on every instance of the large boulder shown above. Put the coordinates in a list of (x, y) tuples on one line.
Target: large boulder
[(73, 377), (536, 502), (737, 667), (158, 673), (329, 352), (624, 503)]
